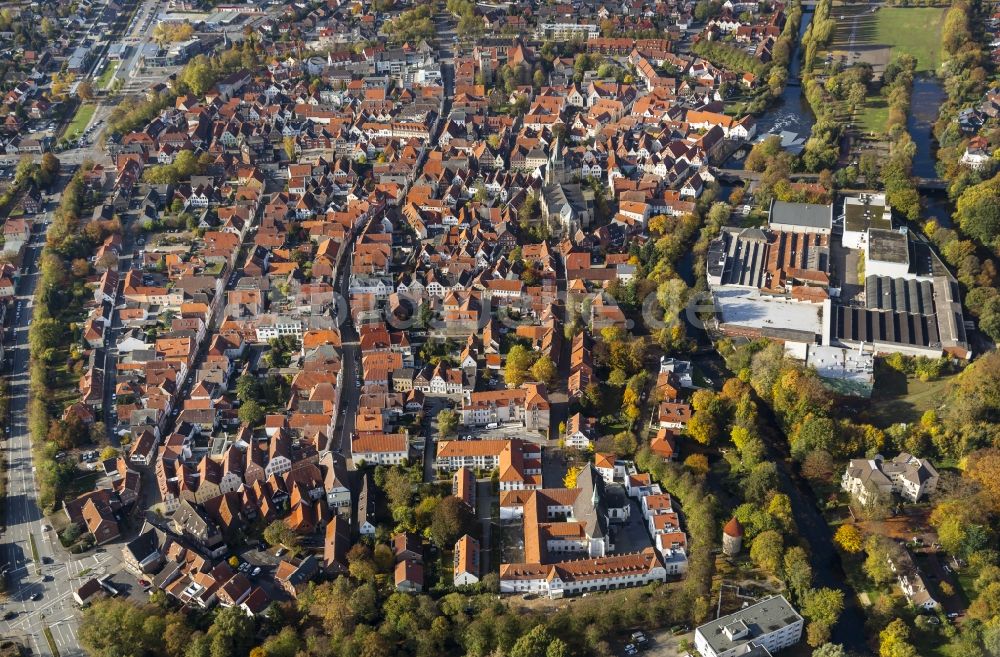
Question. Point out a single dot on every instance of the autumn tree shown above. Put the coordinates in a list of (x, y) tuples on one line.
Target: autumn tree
[(702, 428), (849, 538), (893, 641), (983, 467), (360, 563), (697, 464), (544, 370)]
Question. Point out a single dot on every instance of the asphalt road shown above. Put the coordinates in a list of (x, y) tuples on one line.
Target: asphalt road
[(54, 606), (340, 441)]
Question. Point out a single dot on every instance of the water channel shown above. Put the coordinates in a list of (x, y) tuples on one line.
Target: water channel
[(925, 103), (792, 111)]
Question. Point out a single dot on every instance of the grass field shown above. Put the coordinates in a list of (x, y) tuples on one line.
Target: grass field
[(875, 38), (79, 123), (109, 70), (913, 30), (873, 116), (898, 398)]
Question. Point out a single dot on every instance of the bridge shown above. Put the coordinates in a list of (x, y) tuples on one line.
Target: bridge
[(736, 175), (931, 184)]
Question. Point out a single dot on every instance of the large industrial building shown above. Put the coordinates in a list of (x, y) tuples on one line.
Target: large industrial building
[(855, 282)]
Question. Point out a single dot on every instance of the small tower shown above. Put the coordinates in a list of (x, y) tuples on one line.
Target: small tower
[(732, 538)]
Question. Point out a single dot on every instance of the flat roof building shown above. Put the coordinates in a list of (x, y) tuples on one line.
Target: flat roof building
[(887, 253), (861, 213), (801, 217), (771, 624)]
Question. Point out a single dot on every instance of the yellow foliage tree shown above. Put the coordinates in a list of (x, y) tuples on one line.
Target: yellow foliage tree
[(849, 538), (569, 481), (697, 464), (983, 467), (630, 398), (701, 428)]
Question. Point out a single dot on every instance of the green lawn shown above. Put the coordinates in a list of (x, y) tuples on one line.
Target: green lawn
[(898, 398), (914, 30), (874, 115), (105, 79), (79, 123)]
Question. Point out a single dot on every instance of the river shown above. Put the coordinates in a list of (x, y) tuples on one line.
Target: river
[(791, 112), (925, 103)]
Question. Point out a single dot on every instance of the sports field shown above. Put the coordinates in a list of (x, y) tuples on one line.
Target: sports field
[(874, 37), (913, 30)]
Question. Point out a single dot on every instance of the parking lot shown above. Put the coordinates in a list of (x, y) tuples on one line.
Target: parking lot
[(666, 644)]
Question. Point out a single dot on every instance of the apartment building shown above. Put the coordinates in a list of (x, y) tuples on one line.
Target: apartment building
[(771, 623)]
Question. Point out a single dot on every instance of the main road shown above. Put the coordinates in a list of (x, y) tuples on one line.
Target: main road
[(40, 579)]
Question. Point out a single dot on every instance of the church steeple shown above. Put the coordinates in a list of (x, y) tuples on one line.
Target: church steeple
[(555, 171)]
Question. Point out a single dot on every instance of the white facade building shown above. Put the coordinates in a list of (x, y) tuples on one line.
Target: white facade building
[(771, 623)]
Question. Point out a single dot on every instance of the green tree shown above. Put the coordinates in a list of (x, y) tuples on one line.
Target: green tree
[(823, 605), (767, 551), (798, 572), (231, 633), (519, 361), (398, 487), (452, 518), (532, 644), (830, 650), (978, 212), (113, 627), (278, 533), (247, 388), (284, 644), (251, 413), (447, 420)]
